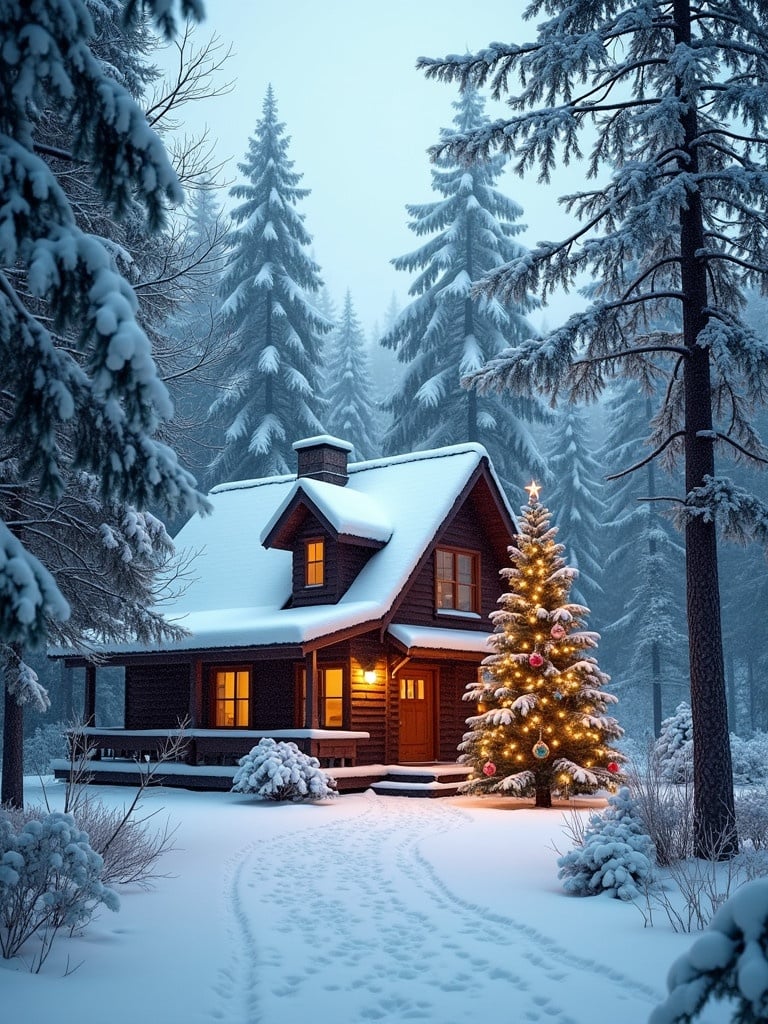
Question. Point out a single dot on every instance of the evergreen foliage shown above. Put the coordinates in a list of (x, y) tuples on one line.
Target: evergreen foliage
[(577, 494), (645, 640), (270, 396), (352, 413), (541, 722), (729, 962), (673, 750), (447, 331), (616, 857), (677, 94), (277, 770)]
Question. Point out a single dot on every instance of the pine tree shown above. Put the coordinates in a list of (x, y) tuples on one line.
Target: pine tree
[(541, 724), (677, 93), (446, 331), (644, 637), (270, 393), (577, 494), (352, 413)]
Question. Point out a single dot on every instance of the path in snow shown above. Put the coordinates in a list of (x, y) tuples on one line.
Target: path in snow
[(348, 923)]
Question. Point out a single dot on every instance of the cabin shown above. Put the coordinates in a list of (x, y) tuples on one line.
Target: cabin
[(345, 608)]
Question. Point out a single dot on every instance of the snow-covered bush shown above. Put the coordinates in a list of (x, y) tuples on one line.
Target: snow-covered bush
[(47, 743), (749, 758), (50, 877), (280, 771), (730, 961), (673, 750), (752, 818), (616, 856)]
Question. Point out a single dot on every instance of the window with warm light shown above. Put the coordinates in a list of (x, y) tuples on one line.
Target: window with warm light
[(331, 696), (314, 562), (232, 690), (456, 580)]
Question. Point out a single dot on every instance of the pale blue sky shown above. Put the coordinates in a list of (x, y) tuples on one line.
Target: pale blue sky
[(361, 118)]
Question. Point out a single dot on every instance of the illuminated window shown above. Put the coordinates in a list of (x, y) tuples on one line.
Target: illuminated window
[(456, 580), (411, 689), (232, 688), (331, 697), (315, 563)]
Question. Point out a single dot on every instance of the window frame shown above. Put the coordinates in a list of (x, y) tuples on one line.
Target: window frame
[(236, 700), (323, 699), (455, 583), (314, 562)]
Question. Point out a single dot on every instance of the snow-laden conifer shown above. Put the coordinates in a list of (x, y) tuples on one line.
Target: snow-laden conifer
[(577, 494), (541, 724), (448, 331), (616, 857), (352, 412), (270, 393), (673, 750), (278, 770), (675, 96)]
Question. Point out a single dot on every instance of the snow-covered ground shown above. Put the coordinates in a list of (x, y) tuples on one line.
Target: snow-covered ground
[(357, 910)]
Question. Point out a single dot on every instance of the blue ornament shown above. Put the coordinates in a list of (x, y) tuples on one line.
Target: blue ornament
[(557, 695), (540, 750)]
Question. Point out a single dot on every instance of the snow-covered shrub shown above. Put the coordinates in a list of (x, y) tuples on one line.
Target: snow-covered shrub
[(752, 818), (50, 877), (616, 856), (280, 771), (41, 748), (749, 758), (673, 750), (730, 961)]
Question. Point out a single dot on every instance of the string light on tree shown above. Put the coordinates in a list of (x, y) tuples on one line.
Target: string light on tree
[(541, 720)]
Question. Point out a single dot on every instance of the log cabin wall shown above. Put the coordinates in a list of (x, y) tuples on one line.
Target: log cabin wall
[(350, 559), (453, 711), (368, 700), (156, 696), (328, 593), (272, 694), (418, 606)]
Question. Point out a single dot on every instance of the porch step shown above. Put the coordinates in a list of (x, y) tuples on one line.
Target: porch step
[(431, 780)]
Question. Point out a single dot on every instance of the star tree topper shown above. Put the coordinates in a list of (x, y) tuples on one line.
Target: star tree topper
[(533, 492)]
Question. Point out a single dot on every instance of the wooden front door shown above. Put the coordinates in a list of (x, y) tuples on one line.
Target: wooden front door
[(417, 715)]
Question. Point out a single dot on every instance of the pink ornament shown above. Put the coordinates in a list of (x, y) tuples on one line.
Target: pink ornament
[(535, 660), (613, 767), (489, 768), (557, 632)]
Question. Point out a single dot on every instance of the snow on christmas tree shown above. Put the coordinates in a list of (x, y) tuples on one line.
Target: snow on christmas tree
[(541, 722)]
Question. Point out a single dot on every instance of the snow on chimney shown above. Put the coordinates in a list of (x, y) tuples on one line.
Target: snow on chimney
[(323, 458)]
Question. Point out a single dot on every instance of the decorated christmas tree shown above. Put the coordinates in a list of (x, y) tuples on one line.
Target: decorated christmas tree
[(541, 722)]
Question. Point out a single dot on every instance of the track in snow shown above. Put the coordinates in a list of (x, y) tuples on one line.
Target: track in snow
[(348, 923)]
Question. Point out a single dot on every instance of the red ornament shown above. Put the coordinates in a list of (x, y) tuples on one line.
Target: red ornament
[(535, 660), (557, 632), (613, 767), (489, 768)]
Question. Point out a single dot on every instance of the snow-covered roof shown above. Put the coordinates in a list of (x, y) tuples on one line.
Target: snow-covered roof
[(238, 595), (430, 638), (347, 510)]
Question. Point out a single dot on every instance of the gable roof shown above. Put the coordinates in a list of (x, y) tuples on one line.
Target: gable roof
[(347, 512), (240, 589)]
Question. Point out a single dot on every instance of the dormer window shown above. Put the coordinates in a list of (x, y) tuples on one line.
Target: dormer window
[(457, 575), (314, 562)]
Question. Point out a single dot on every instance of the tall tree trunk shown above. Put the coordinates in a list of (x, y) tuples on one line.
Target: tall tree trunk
[(469, 328), (714, 815), (543, 795), (655, 656), (12, 789)]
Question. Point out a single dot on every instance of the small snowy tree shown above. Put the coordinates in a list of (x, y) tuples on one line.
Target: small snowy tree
[(541, 722), (277, 770), (729, 962), (673, 750), (616, 857)]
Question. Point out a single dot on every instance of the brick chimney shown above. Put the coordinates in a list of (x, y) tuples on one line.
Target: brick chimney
[(323, 458)]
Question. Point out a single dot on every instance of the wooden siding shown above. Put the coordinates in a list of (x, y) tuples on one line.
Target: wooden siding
[(273, 696), (453, 711), (351, 559), (156, 696), (329, 592), (368, 700), (418, 605)]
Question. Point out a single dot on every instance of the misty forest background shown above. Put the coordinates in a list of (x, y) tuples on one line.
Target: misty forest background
[(257, 353)]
